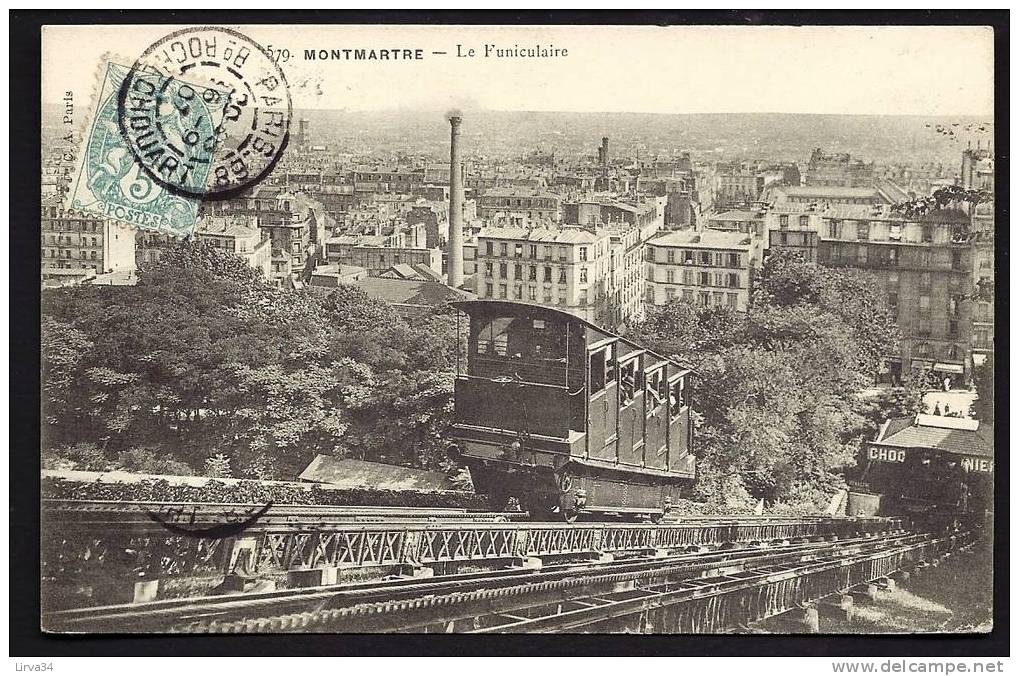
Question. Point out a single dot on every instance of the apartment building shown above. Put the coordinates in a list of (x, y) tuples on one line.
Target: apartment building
[(711, 268), (566, 268), (75, 247)]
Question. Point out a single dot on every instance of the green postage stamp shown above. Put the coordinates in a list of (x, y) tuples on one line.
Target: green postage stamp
[(110, 179)]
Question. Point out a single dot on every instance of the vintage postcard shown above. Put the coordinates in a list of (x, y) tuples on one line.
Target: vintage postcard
[(517, 329)]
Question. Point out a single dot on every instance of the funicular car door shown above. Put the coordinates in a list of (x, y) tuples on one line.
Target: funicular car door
[(656, 416), (603, 400), (631, 407)]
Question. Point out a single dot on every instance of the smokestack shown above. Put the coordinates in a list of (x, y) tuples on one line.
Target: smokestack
[(604, 150), (455, 276)]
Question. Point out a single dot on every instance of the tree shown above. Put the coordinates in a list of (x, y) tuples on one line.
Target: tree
[(203, 357), (776, 387), (218, 465)]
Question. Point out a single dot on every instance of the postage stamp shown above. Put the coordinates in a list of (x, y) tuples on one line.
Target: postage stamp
[(164, 108), (111, 182)]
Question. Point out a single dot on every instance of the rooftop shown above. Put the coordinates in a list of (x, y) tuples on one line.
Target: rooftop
[(219, 225), (518, 191), (715, 239), (828, 192), (349, 473), (953, 435), (736, 215), (563, 236)]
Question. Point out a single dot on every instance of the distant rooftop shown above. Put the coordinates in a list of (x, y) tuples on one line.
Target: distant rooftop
[(563, 236), (715, 239), (828, 192)]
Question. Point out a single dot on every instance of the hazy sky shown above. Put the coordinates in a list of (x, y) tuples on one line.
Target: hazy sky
[(865, 70)]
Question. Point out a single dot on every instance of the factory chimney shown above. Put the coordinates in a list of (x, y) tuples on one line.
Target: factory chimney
[(604, 154), (455, 275)]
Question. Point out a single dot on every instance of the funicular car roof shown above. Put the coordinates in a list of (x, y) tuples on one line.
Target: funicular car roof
[(515, 308)]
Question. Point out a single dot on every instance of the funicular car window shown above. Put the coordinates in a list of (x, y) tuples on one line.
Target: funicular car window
[(492, 338), (523, 347), (677, 396), (629, 381), (657, 388), (603, 368)]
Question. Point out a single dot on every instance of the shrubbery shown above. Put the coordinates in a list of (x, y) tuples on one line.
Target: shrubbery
[(253, 492)]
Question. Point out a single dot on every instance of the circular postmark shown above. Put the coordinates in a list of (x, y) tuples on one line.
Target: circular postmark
[(206, 112)]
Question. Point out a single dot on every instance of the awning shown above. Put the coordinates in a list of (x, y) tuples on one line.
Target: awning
[(948, 368), (920, 364)]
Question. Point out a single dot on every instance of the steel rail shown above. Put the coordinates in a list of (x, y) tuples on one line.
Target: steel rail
[(645, 600), (200, 613)]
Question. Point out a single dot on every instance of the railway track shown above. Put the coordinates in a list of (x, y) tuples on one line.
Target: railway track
[(562, 597)]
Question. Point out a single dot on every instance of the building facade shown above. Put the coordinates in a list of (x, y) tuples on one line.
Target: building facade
[(75, 247), (519, 207), (565, 268), (238, 238), (709, 268)]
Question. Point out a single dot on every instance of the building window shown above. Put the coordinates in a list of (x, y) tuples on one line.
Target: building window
[(704, 279), (719, 298), (671, 276), (687, 295), (953, 329), (718, 259), (651, 253), (733, 280), (861, 254), (502, 269), (688, 257), (502, 291), (783, 221), (670, 256), (804, 221), (518, 250), (548, 253), (488, 269), (488, 290), (927, 234), (863, 230), (893, 300), (583, 253), (705, 258), (517, 271), (562, 275), (670, 293), (925, 280), (532, 273), (687, 277), (925, 303), (833, 229), (733, 299), (488, 248), (583, 275), (548, 274), (502, 249), (532, 293), (704, 298), (956, 260)]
